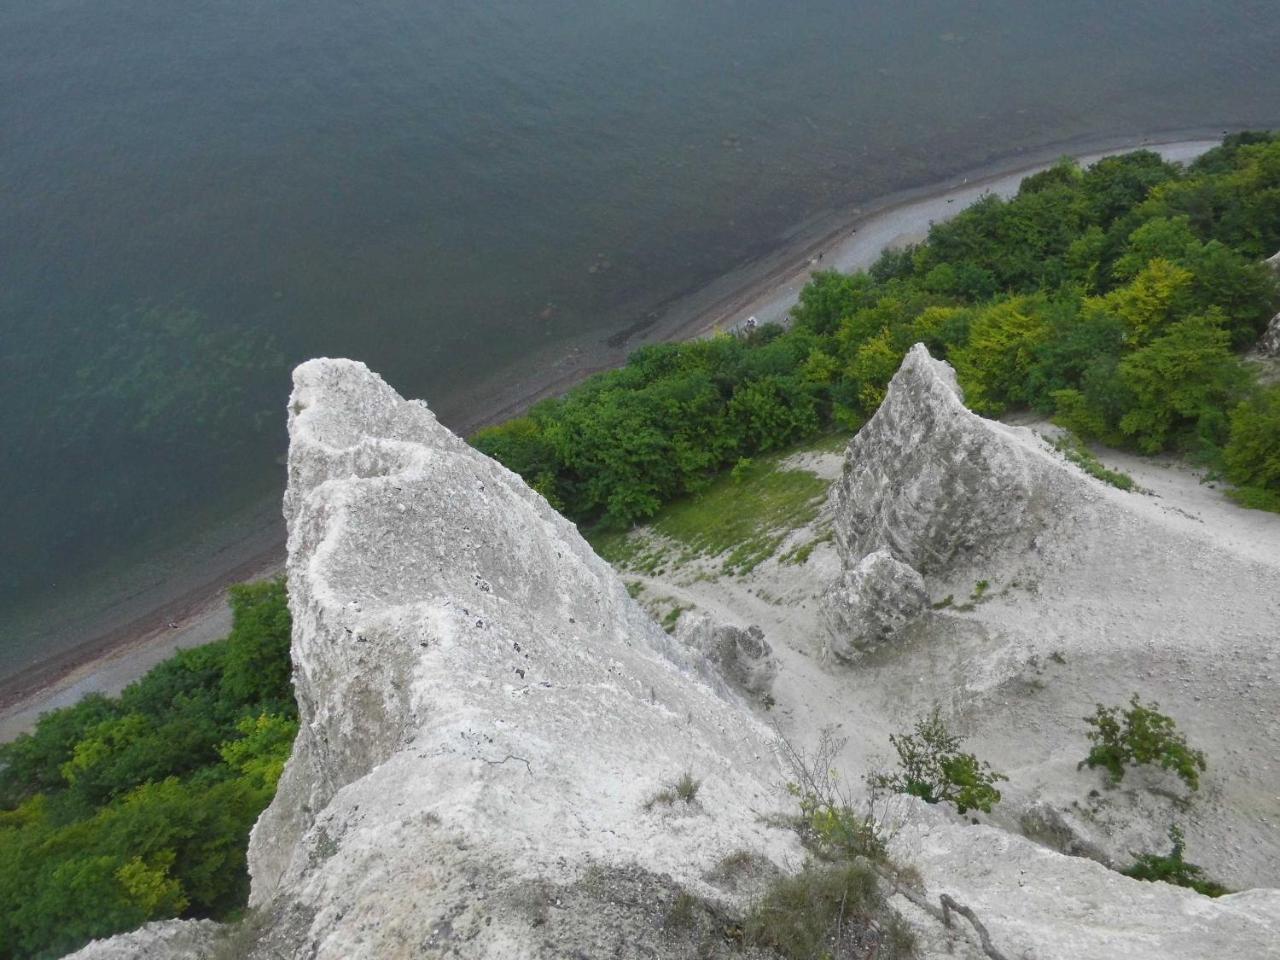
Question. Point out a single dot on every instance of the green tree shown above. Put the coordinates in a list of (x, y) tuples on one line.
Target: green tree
[(1252, 453), (994, 366), (871, 369), (1178, 382), (257, 669)]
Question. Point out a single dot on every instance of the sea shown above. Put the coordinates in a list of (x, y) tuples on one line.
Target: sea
[(194, 197)]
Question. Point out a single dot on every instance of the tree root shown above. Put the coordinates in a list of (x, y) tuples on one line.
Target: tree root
[(943, 913)]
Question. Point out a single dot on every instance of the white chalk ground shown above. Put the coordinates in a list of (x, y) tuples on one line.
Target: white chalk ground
[(1175, 597)]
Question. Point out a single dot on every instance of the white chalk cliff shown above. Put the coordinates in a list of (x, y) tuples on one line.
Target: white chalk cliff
[(486, 713)]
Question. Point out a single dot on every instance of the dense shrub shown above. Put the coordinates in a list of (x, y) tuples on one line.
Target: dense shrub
[(1139, 735), (1252, 455), (119, 811)]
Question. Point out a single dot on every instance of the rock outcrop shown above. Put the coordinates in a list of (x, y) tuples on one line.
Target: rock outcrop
[(740, 656), (871, 603), (487, 715), (928, 488), (936, 485), (164, 940), (1269, 342), (1040, 904), (484, 710)]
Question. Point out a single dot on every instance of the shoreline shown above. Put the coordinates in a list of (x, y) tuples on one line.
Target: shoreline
[(766, 288)]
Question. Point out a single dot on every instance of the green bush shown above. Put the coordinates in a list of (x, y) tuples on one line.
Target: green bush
[(835, 907), (933, 768), (1252, 454), (119, 811), (831, 911), (1140, 735), (1172, 868)]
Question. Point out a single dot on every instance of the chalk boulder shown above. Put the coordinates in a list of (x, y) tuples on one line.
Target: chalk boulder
[(1269, 342), (741, 656), (871, 603), (938, 486)]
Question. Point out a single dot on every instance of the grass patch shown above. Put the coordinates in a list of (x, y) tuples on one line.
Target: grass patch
[(745, 520), (629, 549), (834, 911), (684, 790), (1256, 498), (835, 442), (1073, 448), (673, 617), (800, 555), (743, 516)]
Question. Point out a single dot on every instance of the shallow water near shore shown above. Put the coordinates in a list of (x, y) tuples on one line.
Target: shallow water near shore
[(196, 198)]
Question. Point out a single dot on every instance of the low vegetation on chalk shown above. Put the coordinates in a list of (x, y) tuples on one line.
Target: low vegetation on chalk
[(1071, 447), (118, 811), (1137, 735), (742, 517), (1116, 299), (932, 766), (836, 906), (672, 617), (1172, 868), (835, 911), (683, 790)]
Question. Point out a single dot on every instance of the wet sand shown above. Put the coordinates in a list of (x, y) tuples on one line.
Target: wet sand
[(765, 289)]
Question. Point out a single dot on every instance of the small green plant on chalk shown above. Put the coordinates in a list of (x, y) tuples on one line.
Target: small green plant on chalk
[(683, 790), (933, 768), (1172, 868), (1140, 735)]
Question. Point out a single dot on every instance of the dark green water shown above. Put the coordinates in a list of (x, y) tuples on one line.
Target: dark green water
[(193, 197)]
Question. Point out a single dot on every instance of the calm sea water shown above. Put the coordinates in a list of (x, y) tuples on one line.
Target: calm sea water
[(193, 197)]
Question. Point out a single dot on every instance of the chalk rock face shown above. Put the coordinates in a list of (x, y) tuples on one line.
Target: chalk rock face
[(484, 710), (935, 484), (871, 603), (742, 657), (165, 940), (1269, 342), (1038, 903)]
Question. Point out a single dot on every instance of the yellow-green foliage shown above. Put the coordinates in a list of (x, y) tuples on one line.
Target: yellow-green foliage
[(1253, 453), (119, 811), (993, 366), (873, 366), (1156, 297)]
